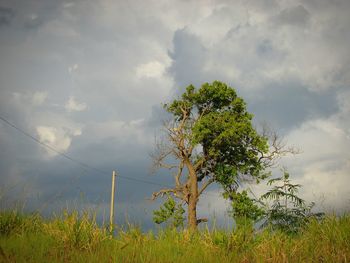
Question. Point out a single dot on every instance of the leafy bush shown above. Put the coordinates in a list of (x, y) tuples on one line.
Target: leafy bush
[(170, 211), (244, 209)]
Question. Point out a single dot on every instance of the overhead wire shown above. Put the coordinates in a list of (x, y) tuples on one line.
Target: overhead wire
[(80, 163)]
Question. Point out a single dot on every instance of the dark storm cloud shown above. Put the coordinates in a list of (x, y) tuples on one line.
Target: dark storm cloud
[(29, 15), (105, 82), (158, 116), (284, 104), (287, 105), (55, 183), (6, 16), (265, 47), (296, 15), (188, 59)]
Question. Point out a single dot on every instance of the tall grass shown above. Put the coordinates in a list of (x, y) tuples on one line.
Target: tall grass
[(12, 222), (77, 238), (73, 232)]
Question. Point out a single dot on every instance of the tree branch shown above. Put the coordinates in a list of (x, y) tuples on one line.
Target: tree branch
[(205, 185), (179, 174), (163, 192), (277, 148), (199, 163)]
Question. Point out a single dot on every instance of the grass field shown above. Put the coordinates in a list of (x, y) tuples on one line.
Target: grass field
[(73, 238)]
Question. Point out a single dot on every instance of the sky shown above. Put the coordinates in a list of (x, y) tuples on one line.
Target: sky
[(88, 79)]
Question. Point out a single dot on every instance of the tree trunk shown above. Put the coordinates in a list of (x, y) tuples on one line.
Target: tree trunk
[(193, 198)]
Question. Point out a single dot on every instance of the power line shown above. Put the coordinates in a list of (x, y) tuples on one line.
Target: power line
[(82, 164), (44, 144)]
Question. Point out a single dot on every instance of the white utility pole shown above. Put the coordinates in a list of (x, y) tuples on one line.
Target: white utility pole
[(111, 215)]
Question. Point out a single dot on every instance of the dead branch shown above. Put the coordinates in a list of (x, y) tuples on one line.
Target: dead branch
[(205, 185), (199, 164), (181, 193), (201, 220), (178, 175), (159, 156), (278, 148), (163, 192)]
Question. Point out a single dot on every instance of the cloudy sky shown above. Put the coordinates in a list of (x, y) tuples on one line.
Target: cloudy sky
[(88, 78)]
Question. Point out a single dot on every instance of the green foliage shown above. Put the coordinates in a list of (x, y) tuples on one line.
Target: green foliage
[(288, 211), (218, 122), (244, 209), (171, 212)]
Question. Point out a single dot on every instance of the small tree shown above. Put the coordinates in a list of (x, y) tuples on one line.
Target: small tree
[(288, 211), (170, 212), (244, 209), (210, 138)]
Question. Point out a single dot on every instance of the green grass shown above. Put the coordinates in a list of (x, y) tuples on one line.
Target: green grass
[(74, 238)]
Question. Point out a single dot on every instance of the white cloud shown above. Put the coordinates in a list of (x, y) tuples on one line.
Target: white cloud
[(214, 200), (153, 69), (327, 183), (46, 134), (58, 138), (324, 164), (73, 68), (68, 4), (73, 105), (39, 98), (323, 167), (33, 16), (54, 138), (125, 131), (261, 49)]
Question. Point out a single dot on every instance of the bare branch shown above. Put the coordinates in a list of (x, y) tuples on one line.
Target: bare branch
[(201, 220), (168, 166), (278, 148), (161, 152), (204, 111), (205, 185), (177, 176), (162, 192), (178, 135), (199, 163), (178, 192)]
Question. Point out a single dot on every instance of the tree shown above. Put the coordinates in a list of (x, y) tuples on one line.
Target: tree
[(288, 211), (170, 211), (210, 138), (244, 209)]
